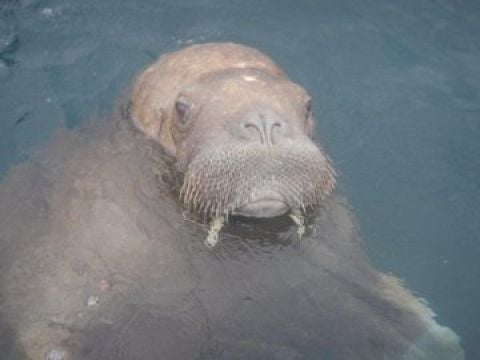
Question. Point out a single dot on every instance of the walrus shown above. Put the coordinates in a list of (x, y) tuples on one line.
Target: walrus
[(102, 232)]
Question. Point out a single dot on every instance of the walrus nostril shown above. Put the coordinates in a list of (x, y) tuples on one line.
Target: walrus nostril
[(264, 129)]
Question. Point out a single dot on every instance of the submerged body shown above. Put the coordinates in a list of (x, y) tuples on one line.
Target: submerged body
[(110, 266)]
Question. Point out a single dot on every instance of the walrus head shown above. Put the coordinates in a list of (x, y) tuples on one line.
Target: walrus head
[(240, 130)]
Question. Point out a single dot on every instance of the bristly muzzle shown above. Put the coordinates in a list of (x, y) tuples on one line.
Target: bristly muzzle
[(221, 179)]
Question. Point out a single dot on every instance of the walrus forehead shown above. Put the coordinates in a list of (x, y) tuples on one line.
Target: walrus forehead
[(246, 84)]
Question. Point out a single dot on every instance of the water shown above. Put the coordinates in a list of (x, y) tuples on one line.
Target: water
[(396, 94)]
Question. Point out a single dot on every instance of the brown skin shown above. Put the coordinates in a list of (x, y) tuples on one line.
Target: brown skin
[(231, 106)]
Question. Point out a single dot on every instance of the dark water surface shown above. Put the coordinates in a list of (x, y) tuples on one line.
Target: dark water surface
[(396, 88)]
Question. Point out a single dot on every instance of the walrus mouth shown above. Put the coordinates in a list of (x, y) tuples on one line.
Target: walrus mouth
[(254, 181), (268, 204)]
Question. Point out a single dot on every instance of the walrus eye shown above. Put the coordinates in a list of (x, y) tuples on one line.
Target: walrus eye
[(308, 108), (181, 107)]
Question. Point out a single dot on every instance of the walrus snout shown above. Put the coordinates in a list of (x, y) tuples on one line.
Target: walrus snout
[(255, 180)]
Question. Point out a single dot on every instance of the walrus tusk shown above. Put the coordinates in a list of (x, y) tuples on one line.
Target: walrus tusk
[(299, 220), (218, 223), (215, 226)]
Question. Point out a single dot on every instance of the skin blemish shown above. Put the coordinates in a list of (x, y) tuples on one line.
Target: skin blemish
[(241, 65), (249, 78)]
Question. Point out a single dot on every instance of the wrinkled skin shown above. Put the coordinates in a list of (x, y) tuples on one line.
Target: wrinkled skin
[(97, 215)]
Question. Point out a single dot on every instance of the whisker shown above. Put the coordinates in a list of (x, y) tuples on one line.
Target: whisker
[(219, 181)]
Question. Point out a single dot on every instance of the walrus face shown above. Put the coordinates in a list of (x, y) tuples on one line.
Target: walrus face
[(243, 142)]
